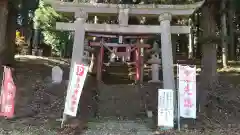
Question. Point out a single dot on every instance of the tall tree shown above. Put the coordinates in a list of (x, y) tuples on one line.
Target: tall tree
[(231, 14), (3, 23), (224, 33), (24, 11), (8, 21), (27, 8), (11, 32), (208, 76)]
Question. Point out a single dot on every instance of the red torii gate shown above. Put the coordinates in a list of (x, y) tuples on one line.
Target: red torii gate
[(136, 47)]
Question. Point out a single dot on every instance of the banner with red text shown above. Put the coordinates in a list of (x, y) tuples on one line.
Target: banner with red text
[(8, 92), (187, 91), (75, 87)]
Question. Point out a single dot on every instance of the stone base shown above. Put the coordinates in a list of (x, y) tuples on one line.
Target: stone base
[(155, 81), (149, 114)]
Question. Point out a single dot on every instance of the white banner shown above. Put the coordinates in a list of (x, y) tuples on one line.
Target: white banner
[(165, 108), (187, 91), (75, 87)]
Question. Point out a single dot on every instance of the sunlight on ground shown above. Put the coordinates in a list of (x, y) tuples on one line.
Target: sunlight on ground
[(234, 66), (32, 71), (232, 69), (51, 59)]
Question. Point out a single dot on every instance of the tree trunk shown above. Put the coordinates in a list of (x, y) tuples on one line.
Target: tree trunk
[(224, 34), (11, 33), (208, 75), (36, 37), (34, 45), (27, 29), (3, 23), (24, 13), (232, 49)]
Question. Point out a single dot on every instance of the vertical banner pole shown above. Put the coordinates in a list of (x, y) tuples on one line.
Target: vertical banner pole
[(63, 119), (178, 97)]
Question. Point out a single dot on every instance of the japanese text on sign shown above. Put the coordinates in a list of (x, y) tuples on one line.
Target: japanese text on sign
[(75, 89), (7, 94), (165, 107), (187, 91)]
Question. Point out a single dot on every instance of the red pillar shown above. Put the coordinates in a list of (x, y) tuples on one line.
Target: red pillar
[(141, 65), (100, 63), (137, 64)]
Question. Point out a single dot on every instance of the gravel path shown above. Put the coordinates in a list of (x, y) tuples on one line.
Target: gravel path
[(37, 112), (118, 127)]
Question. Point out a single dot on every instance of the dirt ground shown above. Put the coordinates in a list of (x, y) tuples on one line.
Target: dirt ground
[(39, 106)]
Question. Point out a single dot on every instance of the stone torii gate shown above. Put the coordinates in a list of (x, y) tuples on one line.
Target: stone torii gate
[(164, 13)]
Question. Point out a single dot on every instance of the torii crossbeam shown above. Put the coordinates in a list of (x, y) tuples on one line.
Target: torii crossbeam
[(130, 29)]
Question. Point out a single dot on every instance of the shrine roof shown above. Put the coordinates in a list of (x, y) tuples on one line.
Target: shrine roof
[(136, 9)]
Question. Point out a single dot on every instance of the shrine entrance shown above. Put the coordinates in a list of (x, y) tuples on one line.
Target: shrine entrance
[(124, 57), (120, 74), (127, 100)]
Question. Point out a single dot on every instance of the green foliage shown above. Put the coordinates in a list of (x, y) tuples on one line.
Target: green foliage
[(45, 19), (236, 3)]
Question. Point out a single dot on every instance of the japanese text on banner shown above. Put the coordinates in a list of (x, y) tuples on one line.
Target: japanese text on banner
[(8, 94), (75, 89), (187, 91)]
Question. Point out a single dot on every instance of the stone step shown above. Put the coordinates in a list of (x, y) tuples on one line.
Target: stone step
[(121, 68), (119, 101), (119, 127)]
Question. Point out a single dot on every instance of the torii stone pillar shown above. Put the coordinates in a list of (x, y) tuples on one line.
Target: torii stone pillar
[(79, 36), (78, 45), (167, 55)]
